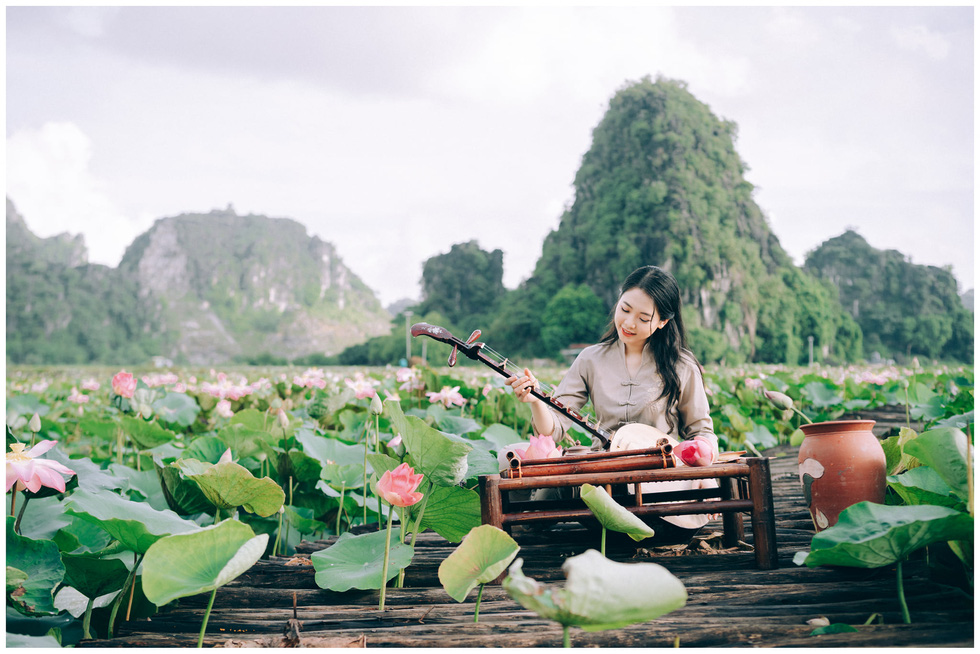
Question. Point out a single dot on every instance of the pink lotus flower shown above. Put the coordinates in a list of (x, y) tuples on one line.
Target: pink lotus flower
[(124, 384), (27, 471), (396, 441), (223, 409), (90, 384), (447, 396), (397, 487), (541, 447), (754, 383), (76, 397), (696, 452), (363, 388)]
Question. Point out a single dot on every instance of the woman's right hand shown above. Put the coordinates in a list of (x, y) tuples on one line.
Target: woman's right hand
[(522, 386)]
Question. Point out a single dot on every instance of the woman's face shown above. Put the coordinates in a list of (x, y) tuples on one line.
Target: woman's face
[(636, 318)]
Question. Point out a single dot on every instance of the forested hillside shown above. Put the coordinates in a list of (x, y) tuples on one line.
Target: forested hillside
[(196, 288), (662, 184)]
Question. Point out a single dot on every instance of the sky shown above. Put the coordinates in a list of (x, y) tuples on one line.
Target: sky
[(396, 132)]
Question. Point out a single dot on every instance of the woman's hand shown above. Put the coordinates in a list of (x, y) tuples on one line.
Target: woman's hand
[(522, 386)]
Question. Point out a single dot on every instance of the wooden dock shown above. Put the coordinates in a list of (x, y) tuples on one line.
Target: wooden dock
[(730, 602)]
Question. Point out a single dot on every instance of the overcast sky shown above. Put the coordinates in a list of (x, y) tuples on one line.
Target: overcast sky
[(395, 132)]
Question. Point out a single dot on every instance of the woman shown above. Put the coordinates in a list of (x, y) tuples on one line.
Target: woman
[(642, 372)]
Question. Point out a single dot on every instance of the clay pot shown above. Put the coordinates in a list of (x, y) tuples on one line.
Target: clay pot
[(841, 463)]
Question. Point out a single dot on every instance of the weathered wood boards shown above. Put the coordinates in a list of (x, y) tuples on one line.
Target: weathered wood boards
[(730, 602)]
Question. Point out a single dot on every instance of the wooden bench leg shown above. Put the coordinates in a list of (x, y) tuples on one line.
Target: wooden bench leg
[(734, 527), (491, 508), (763, 513)]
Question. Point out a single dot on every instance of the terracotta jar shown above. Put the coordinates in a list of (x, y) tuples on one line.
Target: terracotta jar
[(841, 463)]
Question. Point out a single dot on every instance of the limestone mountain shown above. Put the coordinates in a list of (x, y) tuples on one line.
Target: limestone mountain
[(206, 288), (663, 184)]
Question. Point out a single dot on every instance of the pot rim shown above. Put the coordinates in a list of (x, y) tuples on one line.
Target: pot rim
[(817, 428)]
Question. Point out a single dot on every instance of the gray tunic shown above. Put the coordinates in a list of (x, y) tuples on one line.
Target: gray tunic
[(599, 372)]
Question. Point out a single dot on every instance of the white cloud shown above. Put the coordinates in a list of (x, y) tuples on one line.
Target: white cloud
[(50, 184), (919, 38)]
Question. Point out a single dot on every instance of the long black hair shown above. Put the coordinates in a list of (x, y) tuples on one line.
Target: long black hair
[(667, 343)]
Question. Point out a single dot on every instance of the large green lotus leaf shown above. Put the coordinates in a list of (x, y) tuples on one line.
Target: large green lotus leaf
[(298, 465), (145, 484), (89, 475), (613, 515), (188, 564), (254, 419), (501, 435), (207, 449), (136, 525), (943, 450), (485, 552), (40, 561), (229, 485), (80, 536), (46, 641), (959, 421), (177, 408), (458, 424), (381, 463), (182, 495), (450, 511), (923, 485), (442, 460), (600, 594), (821, 394), (869, 535), (103, 430), (347, 476), (302, 520), (43, 518), (357, 561), (146, 434), (93, 576), (245, 442), (329, 450)]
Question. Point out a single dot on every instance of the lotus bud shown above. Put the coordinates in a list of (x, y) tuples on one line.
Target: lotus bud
[(226, 457), (283, 419), (35, 424), (376, 406), (779, 400)]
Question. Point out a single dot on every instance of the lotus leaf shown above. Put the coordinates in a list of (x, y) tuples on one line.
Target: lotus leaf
[(205, 448), (613, 515), (458, 424), (229, 485), (441, 459), (329, 450), (104, 430), (182, 495), (207, 559), (136, 525), (146, 434), (923, 485), (356, 562), (93, 576), (245, 442), (348, 476), (177, 408), (821, 395), (600, 594), (450, 511), (869, 535), (88, 474), (485, 552), (501, 435), (46, 641), (41, 562), (145, 483), (943, 450), (302, 520)]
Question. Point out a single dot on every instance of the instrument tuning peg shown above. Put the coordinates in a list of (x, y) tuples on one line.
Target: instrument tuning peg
[(452, 357), (475, 335)]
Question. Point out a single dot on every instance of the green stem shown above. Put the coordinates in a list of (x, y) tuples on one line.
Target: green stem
[(340, 509), (275, 546), (418, 521), (384, 566), (566, 637), (13, 499), (901, 595), (803, 415), (20, 515), (131, 579), (602, 545), (87, 620), (207, 614), (217, 515), (367, 438), (476, 611), (908, 420)]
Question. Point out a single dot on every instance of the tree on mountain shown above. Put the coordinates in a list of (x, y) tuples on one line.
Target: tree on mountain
[(463, 284)]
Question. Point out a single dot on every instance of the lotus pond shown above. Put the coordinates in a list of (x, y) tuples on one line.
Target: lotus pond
[(181, 480)]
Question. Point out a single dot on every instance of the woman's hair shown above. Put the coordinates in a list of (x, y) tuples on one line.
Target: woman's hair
[(667, 343)]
